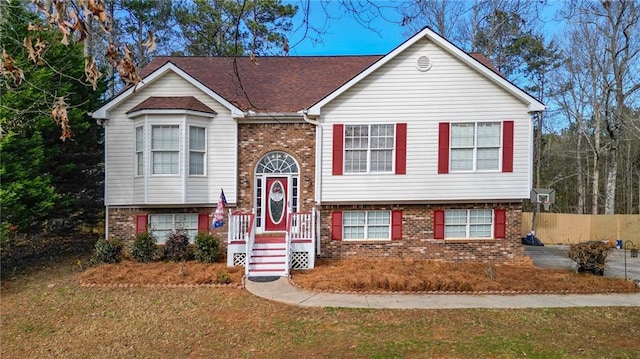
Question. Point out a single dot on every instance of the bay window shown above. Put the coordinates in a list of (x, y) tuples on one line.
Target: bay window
[(165, 149), (139, 151), (196, 150)]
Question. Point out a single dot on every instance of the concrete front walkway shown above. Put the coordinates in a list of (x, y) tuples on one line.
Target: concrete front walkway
[(282, 291)]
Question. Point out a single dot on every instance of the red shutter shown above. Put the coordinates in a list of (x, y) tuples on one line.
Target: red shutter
[(203, 223), (443, 147), (396, 225), (401, 148), (507, 146), (338, 148), (438, 224), (336, 226), (500, 223), (141, 223)]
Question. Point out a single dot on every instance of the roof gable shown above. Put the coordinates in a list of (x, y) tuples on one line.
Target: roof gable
[(150, 77), (476, 61)]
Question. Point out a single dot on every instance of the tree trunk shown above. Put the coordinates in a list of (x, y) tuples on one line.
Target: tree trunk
[(581, 206), (595, 185), (612, 173)]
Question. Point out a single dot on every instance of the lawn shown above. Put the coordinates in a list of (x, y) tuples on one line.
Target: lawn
[(46, 313)]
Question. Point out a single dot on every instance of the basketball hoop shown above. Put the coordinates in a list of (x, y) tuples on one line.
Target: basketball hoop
[(546, 204)]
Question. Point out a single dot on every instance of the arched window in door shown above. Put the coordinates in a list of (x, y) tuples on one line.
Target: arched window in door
[(275, 164)]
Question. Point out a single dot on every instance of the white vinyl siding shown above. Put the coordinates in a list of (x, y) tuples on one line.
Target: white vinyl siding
[(468, 223), (475, 146), (162, 225), (125, 188), (197, 150), (369, 148), (449, 92), (366, 225)]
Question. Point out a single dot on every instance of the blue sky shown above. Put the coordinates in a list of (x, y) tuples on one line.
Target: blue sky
[(343, 35)]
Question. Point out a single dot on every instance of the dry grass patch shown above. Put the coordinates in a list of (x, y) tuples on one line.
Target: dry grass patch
[(45, 314), (426, 275), (162, 273)]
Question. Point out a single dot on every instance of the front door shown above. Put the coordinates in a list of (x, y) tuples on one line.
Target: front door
[(276, 204)]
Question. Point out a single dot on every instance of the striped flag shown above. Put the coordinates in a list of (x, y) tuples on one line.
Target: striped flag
[(218, 215)]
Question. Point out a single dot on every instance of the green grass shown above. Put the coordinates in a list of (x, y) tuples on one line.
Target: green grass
[(46, 314)]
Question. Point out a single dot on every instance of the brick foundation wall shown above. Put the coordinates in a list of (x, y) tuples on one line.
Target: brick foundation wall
[(122, 222), (417, 237), (257, 139)]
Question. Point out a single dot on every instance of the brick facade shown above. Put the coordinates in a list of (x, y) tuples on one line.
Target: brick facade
[(418, 240), (257, 139)]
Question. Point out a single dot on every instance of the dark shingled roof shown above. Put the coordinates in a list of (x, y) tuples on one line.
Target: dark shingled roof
[(274, 84), (485, 61), (172, 103), (271, 84)]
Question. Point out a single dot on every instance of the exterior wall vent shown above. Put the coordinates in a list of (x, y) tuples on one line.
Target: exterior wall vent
[(424, 63)]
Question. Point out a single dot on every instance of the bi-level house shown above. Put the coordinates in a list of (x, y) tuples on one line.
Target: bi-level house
[(425, 152)]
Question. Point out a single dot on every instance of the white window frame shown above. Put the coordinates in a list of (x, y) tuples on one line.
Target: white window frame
[(201, 152), (468, 223), (139, 151), (476, 146), (369, 150), (366, 225), (160, 150), (161, 232)]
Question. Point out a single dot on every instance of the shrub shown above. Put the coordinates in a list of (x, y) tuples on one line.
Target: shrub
[(590, 256), (223, 278), (207, 248), (176, 248), (144, 247), (109, 251)]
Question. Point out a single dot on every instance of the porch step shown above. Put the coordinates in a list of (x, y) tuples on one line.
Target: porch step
[(269, 239), (268, 257)]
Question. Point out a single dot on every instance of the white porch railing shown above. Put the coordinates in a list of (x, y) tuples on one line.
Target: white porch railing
[(301, 228), (242, 229)]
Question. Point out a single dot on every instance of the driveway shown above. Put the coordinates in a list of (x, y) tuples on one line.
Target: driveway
[(555, 256)]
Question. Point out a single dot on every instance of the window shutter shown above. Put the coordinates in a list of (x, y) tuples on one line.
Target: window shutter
[(438, 224), (500, 223), (507, 146), (338, 149), (203, 223), (141, 223), (443, 147), (396, 225), (336, 226), (401, 148)]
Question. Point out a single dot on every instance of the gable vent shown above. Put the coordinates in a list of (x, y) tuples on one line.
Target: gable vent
[(424, 63)]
